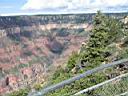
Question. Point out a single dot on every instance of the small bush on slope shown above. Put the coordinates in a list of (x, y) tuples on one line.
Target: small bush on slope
[(21, 92)]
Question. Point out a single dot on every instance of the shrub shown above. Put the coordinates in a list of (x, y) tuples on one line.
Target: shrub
[(37, 87), (21, 92), (73, 59)]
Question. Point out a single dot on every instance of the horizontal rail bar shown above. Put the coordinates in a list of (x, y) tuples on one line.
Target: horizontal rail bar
[(123, 94), (78, 77), (101, 84)]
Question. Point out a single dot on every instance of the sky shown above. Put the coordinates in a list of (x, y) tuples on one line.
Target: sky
[(30, 7)]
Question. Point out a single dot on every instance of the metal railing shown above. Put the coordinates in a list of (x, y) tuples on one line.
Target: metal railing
[(78, 77), (102, 84)]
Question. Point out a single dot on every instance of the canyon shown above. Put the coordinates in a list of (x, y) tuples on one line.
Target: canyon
[(31, 47)]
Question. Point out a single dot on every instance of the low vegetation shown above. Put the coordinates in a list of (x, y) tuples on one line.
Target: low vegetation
[(21, 92), (101, 48)]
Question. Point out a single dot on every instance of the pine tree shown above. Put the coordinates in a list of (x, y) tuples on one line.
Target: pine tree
[(96, 52)]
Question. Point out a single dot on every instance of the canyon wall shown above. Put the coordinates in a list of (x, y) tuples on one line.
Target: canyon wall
[(32, 46)]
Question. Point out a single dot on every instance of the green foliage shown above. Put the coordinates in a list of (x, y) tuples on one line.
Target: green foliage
[(95, 50), (14, 71), (115, 30), (73, 59), (21, 92), (60, 75), (106, 31), (37, 87), (123, 54), (22, 65), (81, 84), (113, 89)]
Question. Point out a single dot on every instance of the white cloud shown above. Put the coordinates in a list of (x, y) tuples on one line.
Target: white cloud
[(44, 4), (68, 5), (114, 3)]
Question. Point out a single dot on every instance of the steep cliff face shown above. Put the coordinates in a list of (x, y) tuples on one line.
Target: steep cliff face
[(31, 46)]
